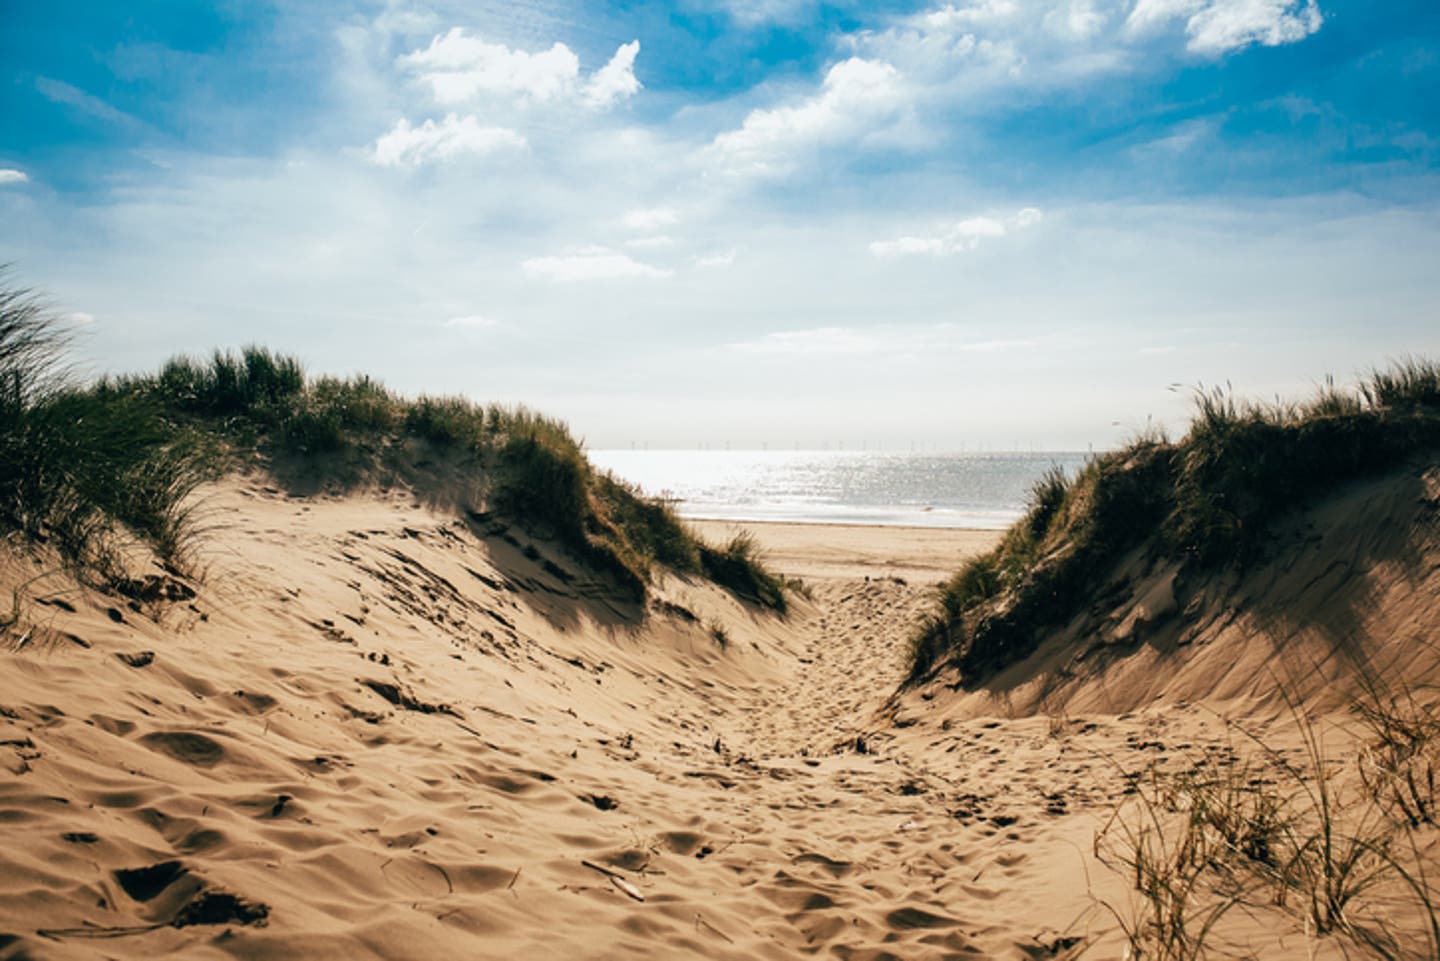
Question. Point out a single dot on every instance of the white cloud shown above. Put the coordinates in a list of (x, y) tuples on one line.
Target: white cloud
[(716, 260), (616, 80), (1216, 27), (591, 263), (12, 176), (472, 322), (978, 44), (961, 53), (81, 319), (1027, 217), (652, 218), (858, 97), (459, 68), (950, 16), (1078, 19), (450, 138), (962, 236)]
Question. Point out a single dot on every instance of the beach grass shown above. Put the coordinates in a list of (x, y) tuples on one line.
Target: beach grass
[(82, 470), (1205, 500), (85, 466), (1322, 842)]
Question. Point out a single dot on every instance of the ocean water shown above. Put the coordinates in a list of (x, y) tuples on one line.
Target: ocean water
[(971, 490)]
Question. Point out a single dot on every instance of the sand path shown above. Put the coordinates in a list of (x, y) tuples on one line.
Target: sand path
[(407, 738)]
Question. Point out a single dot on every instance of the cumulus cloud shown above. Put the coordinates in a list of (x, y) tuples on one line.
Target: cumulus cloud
[(1216, 27), (460, 68), (616, 80), (858, 97), (979, 43), (591, 263), (450, 138), (457, 67), (956, 238), (11, 176), (952, 16), (960, 52)]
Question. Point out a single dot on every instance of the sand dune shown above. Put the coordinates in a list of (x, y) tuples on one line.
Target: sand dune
[(375, 731)]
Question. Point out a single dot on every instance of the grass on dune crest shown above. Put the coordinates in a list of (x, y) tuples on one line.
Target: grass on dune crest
[(1205, 500), (85, 467), (521, 464), (81, 471)]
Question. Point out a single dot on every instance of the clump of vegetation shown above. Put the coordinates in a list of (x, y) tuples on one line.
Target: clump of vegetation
[(1206, 500), (737, 568), (1327, 845), (81, 464), (81, 470)]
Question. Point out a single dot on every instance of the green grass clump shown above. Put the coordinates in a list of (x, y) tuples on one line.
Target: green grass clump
[(1337, 850), (447, 422), (737, 567), (230, 384), (81, 465), (1206, 501), (83, 470)]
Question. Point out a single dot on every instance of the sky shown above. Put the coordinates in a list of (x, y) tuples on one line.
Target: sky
[(964, 223)]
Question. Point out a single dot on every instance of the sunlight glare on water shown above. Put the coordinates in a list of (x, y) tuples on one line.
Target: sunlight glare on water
[(971, 490)]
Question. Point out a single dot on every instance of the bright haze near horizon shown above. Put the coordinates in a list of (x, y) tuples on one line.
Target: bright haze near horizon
[(980, 223)]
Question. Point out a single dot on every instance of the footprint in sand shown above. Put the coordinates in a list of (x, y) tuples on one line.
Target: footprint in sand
[(186, 747)]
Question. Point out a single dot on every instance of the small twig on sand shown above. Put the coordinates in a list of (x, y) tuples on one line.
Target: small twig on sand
[(56, 934), (511, 886), (624, 886), (701, 922)]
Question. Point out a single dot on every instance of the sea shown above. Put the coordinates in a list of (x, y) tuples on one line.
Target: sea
[(986, 491)]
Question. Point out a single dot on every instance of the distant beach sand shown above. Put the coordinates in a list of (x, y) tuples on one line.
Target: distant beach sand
[(922, 554)]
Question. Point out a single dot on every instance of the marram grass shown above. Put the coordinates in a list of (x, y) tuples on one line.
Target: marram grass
[(83, 467), (1205, 500)]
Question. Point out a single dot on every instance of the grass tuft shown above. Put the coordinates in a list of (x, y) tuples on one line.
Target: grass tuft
[(1204, 501), (1319, 841), (737, 567), (84, 470)]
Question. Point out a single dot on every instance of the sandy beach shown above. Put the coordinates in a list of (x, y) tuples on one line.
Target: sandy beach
[(377, 731), (925, 555)]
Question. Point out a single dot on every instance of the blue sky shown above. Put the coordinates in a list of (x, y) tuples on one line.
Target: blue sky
[(978, 222)]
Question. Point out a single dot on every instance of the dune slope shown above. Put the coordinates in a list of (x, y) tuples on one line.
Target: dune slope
[(375, 731)]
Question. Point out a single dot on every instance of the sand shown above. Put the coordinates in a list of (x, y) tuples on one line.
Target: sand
[(925, 555), (379, 732)]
